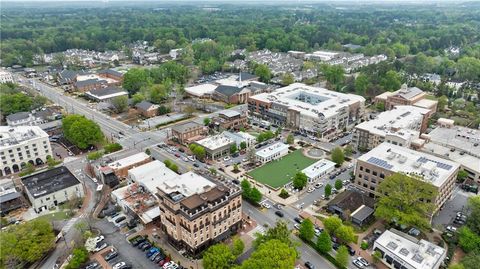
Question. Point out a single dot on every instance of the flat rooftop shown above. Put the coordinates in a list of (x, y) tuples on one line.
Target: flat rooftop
[(271, 149), (468, 161), (420, 254), (13, 136), (459, 138), (151, 175), (311, 101), (186, 185), (202, 89), (395, 158), (318, 168), (50, 181), (128, 161), (396, 121), (215, 142), (186, 126)]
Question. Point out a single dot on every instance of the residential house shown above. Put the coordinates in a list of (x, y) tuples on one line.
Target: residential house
[(147, 109)]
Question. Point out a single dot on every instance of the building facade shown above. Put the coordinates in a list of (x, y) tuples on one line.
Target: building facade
[(318, 169), (147, 109), (6, 77), (21, 145), (23, 119), (271, 152), (196, 212), (216, 146), (230, 119), (51, 188), (311, 110), (187, 132), (386, 159)]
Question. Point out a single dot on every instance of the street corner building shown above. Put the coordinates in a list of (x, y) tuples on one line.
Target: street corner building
[(197, 212), (51, 188)]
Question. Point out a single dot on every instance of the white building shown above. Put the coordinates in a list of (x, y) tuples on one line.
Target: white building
[(400, 250), (151, 175), (202, 90), (399, 126), (21, 145), (318, 169), (240, 137), (6, 77), (106, 94), (322, 55), (271, 152), (216, 146), (23, 119), (311, 110), (51, 188)]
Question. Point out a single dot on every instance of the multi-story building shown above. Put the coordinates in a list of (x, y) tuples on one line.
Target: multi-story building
[(216, 146), (406, 96), (271, 152), (6, 77), (402, 251), (21, 145), (112, 74), (240, 137), (230, 119), (51, 188), (122, 166), (401, 126), (386, 159), (10, 200), (197, 212), (22, 119), (318, 169), (187, 132), (311, 110), (231, 94), (457, 143)]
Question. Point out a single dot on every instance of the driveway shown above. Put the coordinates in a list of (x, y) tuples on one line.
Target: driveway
[(456, 203)]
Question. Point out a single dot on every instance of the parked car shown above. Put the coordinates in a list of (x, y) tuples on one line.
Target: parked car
[(119, 265), (100, 247), (138, 241), (310, 190), (335, 246), (93, 265), (363, 261), (358, 264), (236, 181), (146, 247), (99, 238), (351, 251), (120, 219), (318, 185), (451, 229), (309, 265), (154, 255), (112, 254), (298, 220), (279, 213), (317, 231), (297, 226), (140, 246)]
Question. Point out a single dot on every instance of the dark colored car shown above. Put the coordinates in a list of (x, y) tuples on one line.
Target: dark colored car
[(122, 218), (140, 246), (159, 257), (111, 255), (181, 150), (196, 165), (351, 251), (298, 220), (138, 241), (146, 246), (309, 265), (279, 213), (177, 155), (154, 255), (335, 246), (235, 155), (236, 181), (92, 266)]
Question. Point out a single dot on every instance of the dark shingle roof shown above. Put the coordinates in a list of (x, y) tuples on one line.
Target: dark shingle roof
[(9, 196), (88, 82), (186, 126), (144, 105), (351, 200), (106, 91), (50, 181), (246, 76), (18, 116), (228, 90), (363, 213), (111, 72)]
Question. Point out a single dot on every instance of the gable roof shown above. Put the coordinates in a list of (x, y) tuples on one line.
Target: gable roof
[(186, 126), (107, 91), (144, 105), (111, 72), (18, 116), (88, 82), (351, 200), (227, 90), (246, 76)]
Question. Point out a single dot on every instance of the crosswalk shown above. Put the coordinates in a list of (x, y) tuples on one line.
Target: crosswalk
[(72, 222)]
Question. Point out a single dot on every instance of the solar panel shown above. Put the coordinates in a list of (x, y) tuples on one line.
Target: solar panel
[(380, 162)]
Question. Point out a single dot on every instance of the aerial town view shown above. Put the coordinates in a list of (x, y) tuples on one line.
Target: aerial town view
[(228, 134)]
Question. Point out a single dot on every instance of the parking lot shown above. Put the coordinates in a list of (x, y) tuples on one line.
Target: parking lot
[(446, 216)]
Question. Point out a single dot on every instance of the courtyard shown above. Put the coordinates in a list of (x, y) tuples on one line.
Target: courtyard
[(280, 172)]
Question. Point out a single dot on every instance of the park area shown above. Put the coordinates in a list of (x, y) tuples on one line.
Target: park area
[(278, 173)]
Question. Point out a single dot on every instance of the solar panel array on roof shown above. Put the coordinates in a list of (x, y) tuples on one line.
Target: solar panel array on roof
[(379, 162), (439, 164), (392, 245)]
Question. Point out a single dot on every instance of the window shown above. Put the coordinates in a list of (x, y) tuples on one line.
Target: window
[(365, 185), (9, 151), (359, 175), (18, 149), (374, 173), (372, 188), (382, 175), (361, 168), (367, 170)]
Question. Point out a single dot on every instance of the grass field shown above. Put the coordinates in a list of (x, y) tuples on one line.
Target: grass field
[(280, 172)]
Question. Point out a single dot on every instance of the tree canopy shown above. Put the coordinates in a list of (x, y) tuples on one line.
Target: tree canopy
[(337, 156), (300, 180), (81, 131), (272, 254), (218, 256)]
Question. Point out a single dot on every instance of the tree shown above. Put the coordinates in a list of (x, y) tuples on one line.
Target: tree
[(137, 98), (251, 155), (456, 266), (324, 243), (233, 148), (338, 184), (246, 188), (198, 151), (337, 156), (442, 102), (468, 240), (112, 147), (361, 84), (120, 104), (162, 110), (290, 139), (81, 131), (300, 180), (462, 175), (279, 232), (391, 81), (206, 121), (287, 79), (328, 190), (271, 254), (284, 194), (469, 68), (243, 145), (348, 151), (471, 260), (235, 168), (13, 103), (345, 233), (307, 230), (255, 195), (79, 257), (189, 110), (342, 256), (376, 256), (263, 72), (405, 200), (218, 256), (331, 224), (157, 93), (473, 221), (237, 246), (134, 80), (25, 243), (334, 74)]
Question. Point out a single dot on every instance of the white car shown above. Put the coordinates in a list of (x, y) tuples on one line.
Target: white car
[(266, 205), (318, 185), (346, 182), (191, 158), (451, 229), (226, 158), (102, 246), (99, 238), (94, 179), (119, 265), (184, 159), (363, 261), (310, 190), (297, 226)]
